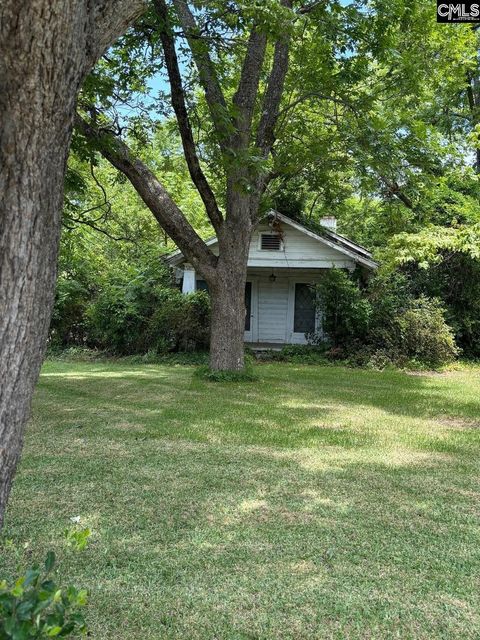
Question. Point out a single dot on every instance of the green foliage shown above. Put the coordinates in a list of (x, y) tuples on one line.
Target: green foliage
[(456, 281), (383, 323), (423, 334), (68, 324), (180, 322), (136, 317), (119, 315), (345, 311), (76, 538), (35, 607)]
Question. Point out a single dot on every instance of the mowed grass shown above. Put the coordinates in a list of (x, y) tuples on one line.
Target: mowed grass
[(317, 502)]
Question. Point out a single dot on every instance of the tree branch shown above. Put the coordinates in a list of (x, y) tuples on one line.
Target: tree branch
[(92, 225), (273, 94), (308, 8), (394, 190), (207, 74), (155, 196), (321, 96), (179, 106), (118, 15), (244, 98)]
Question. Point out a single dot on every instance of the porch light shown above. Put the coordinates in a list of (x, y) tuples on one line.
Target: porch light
[(272, 277)]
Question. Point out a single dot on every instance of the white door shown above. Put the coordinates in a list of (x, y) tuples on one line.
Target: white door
[(272, 309), (302, 317)]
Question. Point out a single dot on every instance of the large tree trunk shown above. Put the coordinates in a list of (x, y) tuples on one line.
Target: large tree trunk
[(32, 177), (45, 50), (227, 290), (227, 297)]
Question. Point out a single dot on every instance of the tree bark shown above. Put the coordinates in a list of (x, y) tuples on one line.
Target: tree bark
[(227, 295), (227, 292), (46, 48), (228, 321)]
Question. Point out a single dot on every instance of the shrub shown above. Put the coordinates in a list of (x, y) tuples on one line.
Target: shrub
[(119, 315), (424, 335), (345, 310), (383, 324), (109, 311), (180, 323), (455, 281), (34, 607), (68, 324), (405, 327)]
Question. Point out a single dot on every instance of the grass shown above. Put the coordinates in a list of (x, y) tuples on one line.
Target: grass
[(316, 502)]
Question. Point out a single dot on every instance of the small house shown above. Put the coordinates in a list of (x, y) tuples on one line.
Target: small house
[(285, 259)]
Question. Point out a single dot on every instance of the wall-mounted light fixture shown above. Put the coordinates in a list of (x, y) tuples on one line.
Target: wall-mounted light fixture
[(272, 277)]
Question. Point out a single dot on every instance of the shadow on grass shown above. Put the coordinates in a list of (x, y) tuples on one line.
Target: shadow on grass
[(290, 406), (232, 541)]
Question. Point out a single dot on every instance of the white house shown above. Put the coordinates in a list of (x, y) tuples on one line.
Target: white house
[(285, 259)]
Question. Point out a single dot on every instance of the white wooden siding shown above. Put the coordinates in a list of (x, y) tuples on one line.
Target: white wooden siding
[(298, 250)]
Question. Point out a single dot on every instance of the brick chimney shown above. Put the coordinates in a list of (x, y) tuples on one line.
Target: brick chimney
[(329, 222)]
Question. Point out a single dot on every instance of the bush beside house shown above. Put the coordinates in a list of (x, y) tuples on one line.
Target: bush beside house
[(382, 322)]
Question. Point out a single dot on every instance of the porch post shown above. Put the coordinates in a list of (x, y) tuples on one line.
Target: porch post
[(189, 279)]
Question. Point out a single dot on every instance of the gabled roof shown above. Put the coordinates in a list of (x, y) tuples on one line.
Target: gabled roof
[(334, 240)]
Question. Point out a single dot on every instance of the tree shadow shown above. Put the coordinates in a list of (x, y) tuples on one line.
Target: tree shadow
[(241, 541)]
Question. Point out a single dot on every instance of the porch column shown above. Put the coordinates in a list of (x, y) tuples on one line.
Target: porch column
[(189, 279)]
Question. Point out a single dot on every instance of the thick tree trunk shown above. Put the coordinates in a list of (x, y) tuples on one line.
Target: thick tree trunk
[(228, 319), (45, 50), (227, 291), (32, 198)]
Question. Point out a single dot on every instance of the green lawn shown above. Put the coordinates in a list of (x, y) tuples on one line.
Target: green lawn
[(318, 502)]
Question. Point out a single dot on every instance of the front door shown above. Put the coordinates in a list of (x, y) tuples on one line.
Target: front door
[(272, 309), (302, 315)]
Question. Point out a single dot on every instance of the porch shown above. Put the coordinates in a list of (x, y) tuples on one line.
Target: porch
[(279, 306)]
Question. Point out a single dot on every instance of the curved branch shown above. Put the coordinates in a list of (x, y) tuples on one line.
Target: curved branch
[(90, 224), (118, 15), (154, 195)]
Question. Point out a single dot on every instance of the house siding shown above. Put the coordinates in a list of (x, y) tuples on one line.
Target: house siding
[(298, 250)]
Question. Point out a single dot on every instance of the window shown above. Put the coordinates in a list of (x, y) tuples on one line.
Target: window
[(270, 242), (304, 314), (202, 285), (248, 304)]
